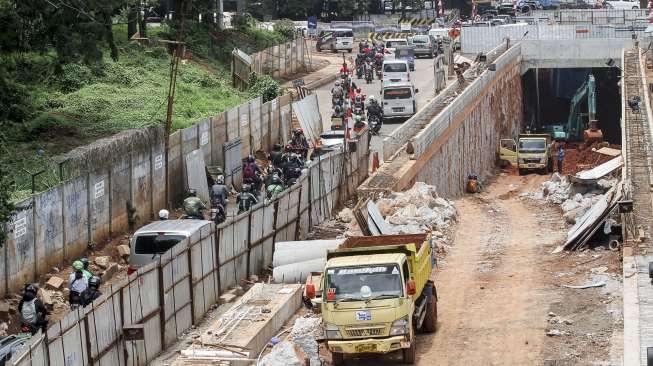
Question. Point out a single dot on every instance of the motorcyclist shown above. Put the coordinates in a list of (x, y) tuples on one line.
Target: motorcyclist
[(245, 199), (276, 155), (33, 313), (337, 93), (337, 111), (293, 169), (358, 102), (373, 107), (92, 292), (275, 187), (77, 284), (358, 123), (193, 206), (163, 214), (87, 273), (252, 173), (219, 192), (299, 141)]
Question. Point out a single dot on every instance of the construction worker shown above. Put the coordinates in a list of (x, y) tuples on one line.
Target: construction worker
[(77, 284), (561, 158)]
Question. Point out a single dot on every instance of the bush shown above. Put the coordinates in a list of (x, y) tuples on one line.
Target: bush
[(286, 28), (74, 76), (14, 101), (242, 21), (264, 86)]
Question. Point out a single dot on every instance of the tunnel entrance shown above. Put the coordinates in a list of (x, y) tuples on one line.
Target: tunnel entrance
[(561, 92)]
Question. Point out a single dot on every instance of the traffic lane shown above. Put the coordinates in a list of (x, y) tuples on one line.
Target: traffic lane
[(422, 78)]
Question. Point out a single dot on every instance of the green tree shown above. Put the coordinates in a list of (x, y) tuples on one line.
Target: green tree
[(6, 206)]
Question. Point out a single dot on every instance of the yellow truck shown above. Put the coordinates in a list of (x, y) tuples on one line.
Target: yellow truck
[(376, 295), (531, 152)]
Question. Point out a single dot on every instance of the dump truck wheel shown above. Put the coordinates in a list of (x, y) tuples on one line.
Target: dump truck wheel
[(431, 317), (409, 353), (337, 358), (521, 171)]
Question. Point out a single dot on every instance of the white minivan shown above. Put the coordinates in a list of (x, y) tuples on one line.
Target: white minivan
[(395, 71), (154, 239), (341, 39), (399, 100)]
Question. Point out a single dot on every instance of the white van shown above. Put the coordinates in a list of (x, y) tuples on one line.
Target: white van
[(340, 39), (398, 100), (395, 71), (156, 238), (391, 44)]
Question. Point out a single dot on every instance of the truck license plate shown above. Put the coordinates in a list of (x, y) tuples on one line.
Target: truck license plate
[(363, 315), (400, 109), (531, 165), (366, 348)]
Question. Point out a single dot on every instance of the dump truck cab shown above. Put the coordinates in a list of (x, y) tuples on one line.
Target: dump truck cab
[(530, 152), (377, 294)]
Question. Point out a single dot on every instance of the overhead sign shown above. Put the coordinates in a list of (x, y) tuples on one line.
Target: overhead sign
[(312, 22)]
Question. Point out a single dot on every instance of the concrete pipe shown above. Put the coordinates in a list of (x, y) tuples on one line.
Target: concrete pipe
[(299, 251), (297, 272)]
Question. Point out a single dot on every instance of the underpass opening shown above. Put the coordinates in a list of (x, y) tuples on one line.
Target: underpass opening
[(552, 95)]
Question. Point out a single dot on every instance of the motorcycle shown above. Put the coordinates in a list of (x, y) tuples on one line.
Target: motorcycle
[(368, 75), (337, 100), (359, 72), (378, 68), (375, 123), (218, 212)]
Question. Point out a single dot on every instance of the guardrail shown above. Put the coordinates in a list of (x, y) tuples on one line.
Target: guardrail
[(500, 58)]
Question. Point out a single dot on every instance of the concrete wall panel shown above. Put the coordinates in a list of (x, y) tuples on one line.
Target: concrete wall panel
[(158, 189), (175, 168), (120, 186), (20, 252), (188, 144), (141, 186), (255, 124), (205, 140), (49, 229), (105, 208), (218, 138), (233, 124), (243, 127), (75, 211)]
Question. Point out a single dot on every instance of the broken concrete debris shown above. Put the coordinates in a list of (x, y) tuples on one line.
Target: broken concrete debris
[(299, 348), (417, 210), (102, 261), (55, 282)]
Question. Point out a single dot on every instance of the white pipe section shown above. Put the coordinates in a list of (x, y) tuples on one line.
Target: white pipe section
[(289, 252), (297, 272)]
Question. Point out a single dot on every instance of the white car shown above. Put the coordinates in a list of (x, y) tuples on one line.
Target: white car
[(622, 4)]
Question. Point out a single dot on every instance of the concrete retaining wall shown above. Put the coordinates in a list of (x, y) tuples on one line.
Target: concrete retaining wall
[(55, 227), (470, 141)]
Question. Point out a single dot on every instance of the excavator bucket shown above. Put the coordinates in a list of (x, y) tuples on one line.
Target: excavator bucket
[(593, 133)]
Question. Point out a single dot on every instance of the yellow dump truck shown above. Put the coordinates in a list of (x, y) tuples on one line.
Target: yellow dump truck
[(531, 152), (376, 295)]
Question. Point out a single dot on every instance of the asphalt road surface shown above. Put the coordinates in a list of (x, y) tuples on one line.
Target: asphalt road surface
[(422, 78)]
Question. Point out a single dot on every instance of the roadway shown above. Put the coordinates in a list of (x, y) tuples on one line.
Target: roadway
[(422, 78)]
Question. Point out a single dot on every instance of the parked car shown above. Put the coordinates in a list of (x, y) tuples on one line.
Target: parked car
[(622, 4), (425, 45), (156, 238)]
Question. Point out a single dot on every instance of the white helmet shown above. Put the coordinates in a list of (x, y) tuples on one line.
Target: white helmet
[(337, 82), (163, 214), (371, 98)]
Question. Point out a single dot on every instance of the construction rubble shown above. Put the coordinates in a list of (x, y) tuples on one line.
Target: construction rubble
[(300, 348)]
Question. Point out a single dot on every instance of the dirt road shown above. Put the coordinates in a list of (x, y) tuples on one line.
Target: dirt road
[(493, 305), (500, 291)]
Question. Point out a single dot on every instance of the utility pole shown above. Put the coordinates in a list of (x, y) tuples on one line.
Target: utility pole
[(172, 84)]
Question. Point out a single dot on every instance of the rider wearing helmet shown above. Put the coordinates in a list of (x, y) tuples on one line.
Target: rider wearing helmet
[(219, 192), (164, 214), (275, 187), (193, 206), (77, 283), (337, 93), (245, 199), (373, 107), (92, 292), (32, 311)]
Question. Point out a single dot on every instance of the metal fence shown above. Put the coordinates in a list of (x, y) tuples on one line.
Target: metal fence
[(169, 296), (57, 225), (482, 39), (592, 16)]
